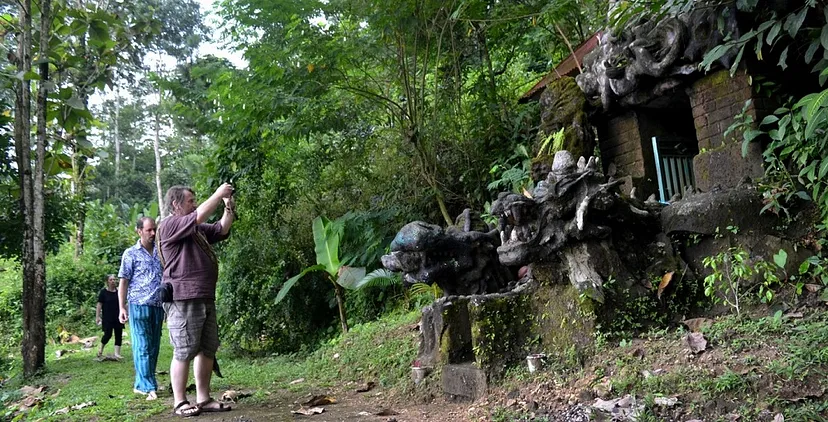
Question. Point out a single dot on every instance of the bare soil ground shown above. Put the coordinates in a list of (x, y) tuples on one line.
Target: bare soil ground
[(768, 366)]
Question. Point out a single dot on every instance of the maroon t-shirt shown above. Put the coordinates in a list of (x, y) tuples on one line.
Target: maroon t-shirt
[(187, 266)]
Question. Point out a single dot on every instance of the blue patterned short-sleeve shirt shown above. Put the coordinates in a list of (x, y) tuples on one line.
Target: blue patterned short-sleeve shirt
[(143, 273)]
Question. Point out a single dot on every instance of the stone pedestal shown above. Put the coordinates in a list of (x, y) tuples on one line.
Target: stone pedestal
[(464, 381), (725, 167)]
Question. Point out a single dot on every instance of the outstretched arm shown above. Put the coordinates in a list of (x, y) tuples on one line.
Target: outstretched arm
[(208, 207), (229, 215)]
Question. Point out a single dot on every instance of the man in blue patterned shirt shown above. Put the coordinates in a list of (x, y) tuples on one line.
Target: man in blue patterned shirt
[(138, 295)]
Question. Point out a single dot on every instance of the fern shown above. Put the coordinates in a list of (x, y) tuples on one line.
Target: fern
[(424, 289), (380, 278), (556, 139)]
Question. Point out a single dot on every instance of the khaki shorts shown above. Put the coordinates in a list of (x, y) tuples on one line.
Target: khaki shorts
[(193, 328)]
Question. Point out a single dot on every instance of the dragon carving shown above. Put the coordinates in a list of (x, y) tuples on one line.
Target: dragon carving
[(462, 261), (571, 216)]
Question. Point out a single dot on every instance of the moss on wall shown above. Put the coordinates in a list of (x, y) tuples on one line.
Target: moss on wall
[(563, 321), (500, 328)]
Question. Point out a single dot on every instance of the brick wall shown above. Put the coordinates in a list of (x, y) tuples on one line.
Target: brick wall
[(716, 99), (621, 144)]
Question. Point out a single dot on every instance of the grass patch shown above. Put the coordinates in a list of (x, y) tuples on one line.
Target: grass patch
[(379, 351)]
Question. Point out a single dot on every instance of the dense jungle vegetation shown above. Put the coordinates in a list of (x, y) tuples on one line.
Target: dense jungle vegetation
[(370, 113)]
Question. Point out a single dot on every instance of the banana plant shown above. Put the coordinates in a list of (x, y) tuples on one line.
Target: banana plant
[(326, 237)]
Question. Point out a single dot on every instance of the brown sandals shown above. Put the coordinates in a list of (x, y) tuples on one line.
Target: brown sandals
[(222, 407), (185, 410)]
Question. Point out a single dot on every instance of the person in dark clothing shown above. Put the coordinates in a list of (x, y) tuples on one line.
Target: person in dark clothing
[(106, 315)]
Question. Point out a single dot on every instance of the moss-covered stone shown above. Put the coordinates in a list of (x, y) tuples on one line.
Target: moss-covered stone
[(500, 327), (456, 337), (563, 106), (564, 320)]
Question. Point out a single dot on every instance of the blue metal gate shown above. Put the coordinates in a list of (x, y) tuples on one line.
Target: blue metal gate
[(674, 169)]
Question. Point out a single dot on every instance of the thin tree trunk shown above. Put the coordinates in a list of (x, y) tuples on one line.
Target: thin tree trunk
[(37, 306), (78, 170), (569, 45), (340, 302), (156, 148), (32, 348), (117, 137)]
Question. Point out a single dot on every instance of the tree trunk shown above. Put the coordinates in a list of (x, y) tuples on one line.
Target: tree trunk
[(117, 137), (33, 344), (36, 306), (78, 170), (340, 301), (156, 148)]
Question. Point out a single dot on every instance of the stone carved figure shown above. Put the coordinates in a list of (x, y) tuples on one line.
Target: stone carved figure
[(462, 261), (650, 58), (568, 217)]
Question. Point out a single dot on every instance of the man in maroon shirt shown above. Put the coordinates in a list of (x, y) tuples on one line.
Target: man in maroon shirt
[(190, 265)]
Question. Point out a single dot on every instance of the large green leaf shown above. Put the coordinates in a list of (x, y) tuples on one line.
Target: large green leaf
[(291, 281), (326, 236), (350, 277)]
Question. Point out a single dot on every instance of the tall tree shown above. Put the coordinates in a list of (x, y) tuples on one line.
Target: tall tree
[(32, 346), (36, 304)]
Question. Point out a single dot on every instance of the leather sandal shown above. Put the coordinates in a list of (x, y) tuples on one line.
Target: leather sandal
[(222, 407), (186, 412)]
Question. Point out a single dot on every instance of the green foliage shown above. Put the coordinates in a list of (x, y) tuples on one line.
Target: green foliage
[(11, 310), (515, 178), (106, 234), (72, 287), (733, 268)]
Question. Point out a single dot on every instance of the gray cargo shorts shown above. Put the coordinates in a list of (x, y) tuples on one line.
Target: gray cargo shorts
[(193, 328)]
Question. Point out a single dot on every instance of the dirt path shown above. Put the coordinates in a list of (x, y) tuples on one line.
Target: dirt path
[(350, 407)]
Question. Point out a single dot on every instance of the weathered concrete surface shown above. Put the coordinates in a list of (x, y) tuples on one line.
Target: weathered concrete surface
[(725, 167), (464, 381), (706, 212)]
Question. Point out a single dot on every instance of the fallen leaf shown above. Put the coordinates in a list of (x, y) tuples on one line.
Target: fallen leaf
[(319, 400), (696, 342), (779, 418), (666, 401), (639, 353), (30, 402), (665, 281), (234, 395), (72, 339), (813, 288), (794, 315), (83, 405), (367, 387), (698, 324), (387, 412), (309, 412), (297, 381), (28, 390)]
